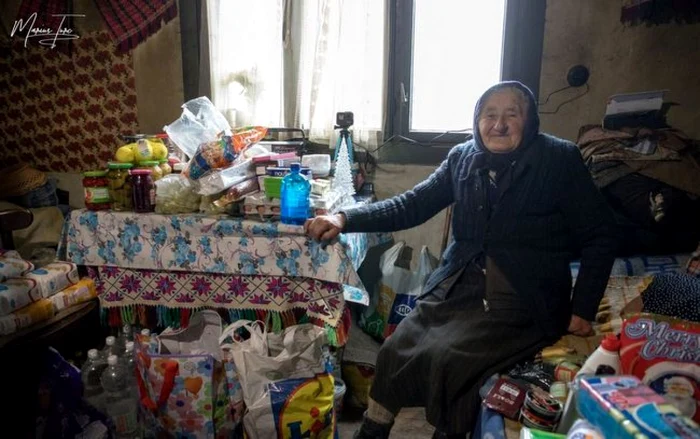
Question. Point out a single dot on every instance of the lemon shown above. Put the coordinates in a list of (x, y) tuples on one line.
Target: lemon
[(125, 154), (160, 151)]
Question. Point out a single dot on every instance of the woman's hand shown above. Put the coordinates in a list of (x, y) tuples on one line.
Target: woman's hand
[(580, 327), (325, 227)]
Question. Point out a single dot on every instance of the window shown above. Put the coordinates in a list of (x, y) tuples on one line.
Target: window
[(404, 67), (445, 53)]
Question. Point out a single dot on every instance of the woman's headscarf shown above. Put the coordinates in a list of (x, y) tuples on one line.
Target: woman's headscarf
[(531, 126)]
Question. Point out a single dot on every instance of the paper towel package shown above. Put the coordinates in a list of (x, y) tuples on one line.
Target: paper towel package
[(17, 293), (54, 277), (12, 265)]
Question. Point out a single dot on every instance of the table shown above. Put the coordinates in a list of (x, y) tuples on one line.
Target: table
[(163, 267)]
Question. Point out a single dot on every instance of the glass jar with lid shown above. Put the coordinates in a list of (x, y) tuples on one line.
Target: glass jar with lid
[(143, 190), (154, 166), (165, 167), (96, 189), (120, 185)]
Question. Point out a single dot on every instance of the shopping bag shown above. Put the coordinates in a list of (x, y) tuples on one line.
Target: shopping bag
[(287, 386), (184, 387), (398, 290)]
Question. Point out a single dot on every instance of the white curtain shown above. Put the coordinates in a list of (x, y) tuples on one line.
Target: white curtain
[(245, 47), (309, 60)]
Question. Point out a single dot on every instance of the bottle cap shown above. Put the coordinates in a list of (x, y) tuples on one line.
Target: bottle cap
[(295, 167), (112, 360), (95, 173), (109, 341), (610, 343), (119, 165), (129, 346), (93, 354)]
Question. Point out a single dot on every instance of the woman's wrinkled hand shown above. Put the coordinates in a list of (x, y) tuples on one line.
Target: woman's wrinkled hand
[(325, 227), (580, 327)]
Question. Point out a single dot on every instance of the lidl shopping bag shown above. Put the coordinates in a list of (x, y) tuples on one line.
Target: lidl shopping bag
[(287, 388), (398, 290), (184, 387)]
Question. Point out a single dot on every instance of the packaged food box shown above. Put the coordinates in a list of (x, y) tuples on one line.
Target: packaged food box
[(621, 406)]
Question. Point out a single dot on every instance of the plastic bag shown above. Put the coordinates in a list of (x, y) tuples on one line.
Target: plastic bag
[(176, 194), (399, 289), (219, 180), (238, 191), (287, 388), (221, 153), (199, 123)]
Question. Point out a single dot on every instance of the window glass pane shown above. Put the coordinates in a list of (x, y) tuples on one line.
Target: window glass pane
[(457, 47)]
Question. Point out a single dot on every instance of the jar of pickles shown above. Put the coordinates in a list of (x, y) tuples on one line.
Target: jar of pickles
[(120, 185), (165, 167), (143, 190), (154, 166), (96, 189)]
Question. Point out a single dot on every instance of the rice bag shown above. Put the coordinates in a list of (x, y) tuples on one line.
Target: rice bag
[(12, 265), (221, 153), (17, 293), (665, 354)]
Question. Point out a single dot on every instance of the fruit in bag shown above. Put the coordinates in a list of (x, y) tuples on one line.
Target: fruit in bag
[(222, 152)]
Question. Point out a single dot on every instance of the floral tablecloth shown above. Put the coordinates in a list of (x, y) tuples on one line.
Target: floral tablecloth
[(206, 244), (194, 261)]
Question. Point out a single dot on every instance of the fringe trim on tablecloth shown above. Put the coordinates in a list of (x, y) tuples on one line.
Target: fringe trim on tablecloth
[(161, 317)]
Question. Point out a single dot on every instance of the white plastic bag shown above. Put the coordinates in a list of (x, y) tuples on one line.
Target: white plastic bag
[(199, 123), (398, 291), (287, 389)]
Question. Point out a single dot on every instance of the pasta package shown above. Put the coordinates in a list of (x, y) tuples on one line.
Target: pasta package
[(81, 292), (27, 316), (223, 152)]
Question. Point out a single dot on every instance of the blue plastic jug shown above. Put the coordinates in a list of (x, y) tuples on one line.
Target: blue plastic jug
[(295, 192)]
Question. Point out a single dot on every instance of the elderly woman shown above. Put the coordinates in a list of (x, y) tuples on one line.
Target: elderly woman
[(524, 207)]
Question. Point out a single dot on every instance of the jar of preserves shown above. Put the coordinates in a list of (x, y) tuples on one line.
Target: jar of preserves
[(120, 185), (154, 166), (165, 167), (143, 190), (96, 190)]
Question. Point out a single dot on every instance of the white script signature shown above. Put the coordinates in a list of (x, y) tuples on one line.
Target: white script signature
[(47, 36)]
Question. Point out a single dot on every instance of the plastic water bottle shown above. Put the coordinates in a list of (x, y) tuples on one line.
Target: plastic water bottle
[(129, 362), (125, 337), (111, 347), (91, 376), (120, 402), (295, 204)]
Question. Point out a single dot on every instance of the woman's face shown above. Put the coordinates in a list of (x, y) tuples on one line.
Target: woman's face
[(502, 120)]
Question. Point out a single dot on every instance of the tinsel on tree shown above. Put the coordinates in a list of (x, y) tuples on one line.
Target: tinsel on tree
[(342, 180)]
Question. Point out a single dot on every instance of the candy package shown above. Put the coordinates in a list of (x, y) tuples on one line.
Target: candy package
[(665, 354), (222, 152)]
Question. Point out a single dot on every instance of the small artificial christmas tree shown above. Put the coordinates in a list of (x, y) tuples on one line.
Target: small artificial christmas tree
[(342, 180)]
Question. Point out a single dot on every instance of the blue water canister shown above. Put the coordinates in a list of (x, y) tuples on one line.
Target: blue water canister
[(295, 203)]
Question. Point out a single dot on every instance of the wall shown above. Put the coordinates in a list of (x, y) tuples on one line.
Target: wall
[(144, 96), (621, 59)]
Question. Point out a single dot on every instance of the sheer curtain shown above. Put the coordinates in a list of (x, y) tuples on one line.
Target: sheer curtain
[(245, 49), (310, 60)]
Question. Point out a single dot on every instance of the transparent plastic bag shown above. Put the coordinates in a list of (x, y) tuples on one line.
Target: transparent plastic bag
[(199, 123), (176, 194)]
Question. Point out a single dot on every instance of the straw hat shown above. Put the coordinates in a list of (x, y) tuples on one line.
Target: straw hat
[(19, 179)]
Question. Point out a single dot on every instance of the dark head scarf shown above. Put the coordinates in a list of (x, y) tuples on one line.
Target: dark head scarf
[(530, 129)]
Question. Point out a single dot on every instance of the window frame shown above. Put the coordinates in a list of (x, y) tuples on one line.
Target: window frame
[(521, 60)]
